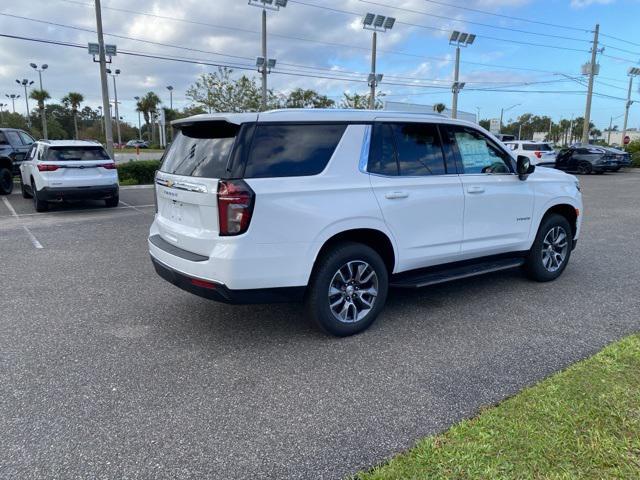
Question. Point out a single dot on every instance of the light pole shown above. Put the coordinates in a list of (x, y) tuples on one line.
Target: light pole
[(502, 110), (101, 113), (459, 39), (170, 88), (2, 105), (13, 97), (375, 23), (43, 113), (26, 83), (115, 99), (611, 126), (137, 99), (263, 67), (633, 72)]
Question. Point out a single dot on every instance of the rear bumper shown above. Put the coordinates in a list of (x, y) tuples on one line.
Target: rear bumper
[(79, 193), (220, 293)]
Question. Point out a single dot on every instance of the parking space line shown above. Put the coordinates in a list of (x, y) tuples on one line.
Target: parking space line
[(135, 187), (32, 237), (9, 207), (136, 208)]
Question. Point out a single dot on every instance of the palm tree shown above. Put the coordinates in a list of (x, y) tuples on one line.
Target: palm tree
[(74, 99), (147, 105), (40, 96), (439, 107)]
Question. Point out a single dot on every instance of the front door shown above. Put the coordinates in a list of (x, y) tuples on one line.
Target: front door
[(498, 205), (421, 200)]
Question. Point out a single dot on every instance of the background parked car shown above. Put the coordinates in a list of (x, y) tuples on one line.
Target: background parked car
[(537, 152), (14, 145), (623, 158), (137, 144), (587, 159)]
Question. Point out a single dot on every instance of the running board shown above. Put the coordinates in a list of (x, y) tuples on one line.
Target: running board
[(434, 275)]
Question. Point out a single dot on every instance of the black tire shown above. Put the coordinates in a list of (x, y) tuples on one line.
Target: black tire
[(600, 172), (536, 266), (341, 257), (113, 201), (6, 181), (39, 204), (584, 168), (25, 194)]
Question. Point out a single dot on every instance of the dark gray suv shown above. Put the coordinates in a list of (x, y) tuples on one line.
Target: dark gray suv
[(14, 145)]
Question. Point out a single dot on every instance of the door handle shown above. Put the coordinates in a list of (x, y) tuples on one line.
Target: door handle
[(395, 195), (475, 189)]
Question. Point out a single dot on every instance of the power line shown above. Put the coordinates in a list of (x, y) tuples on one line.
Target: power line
[(498, 27), (510, 17), (620, 39)]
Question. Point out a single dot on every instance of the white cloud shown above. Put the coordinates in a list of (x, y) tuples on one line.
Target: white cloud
[(587, 3)]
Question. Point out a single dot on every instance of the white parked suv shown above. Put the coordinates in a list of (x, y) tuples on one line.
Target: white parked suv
[(538, 152), (333, 207), (56, 170)]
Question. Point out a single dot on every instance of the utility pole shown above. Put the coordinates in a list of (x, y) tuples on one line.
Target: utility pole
[(592, 74), (43, 113), (632, 73), (456, 89), (103, 80), (459, 39), (264, 55)]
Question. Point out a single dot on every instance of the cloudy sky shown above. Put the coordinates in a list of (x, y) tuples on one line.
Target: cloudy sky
[(522, 46)]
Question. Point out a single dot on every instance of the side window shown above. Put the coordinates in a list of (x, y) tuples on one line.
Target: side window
[(32, 152), (292, 150), (3, 139), (26, 139), (382, 156), (477, 153), (14, 138), (40, 152), (419, 149)]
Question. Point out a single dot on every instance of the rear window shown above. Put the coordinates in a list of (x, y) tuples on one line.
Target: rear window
[(537, 147), (201, 150), (292, 150), (64, 154)]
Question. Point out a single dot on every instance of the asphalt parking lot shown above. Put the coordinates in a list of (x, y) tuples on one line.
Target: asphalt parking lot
[(107, 371)]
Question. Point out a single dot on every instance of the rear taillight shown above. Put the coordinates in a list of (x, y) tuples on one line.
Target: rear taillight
[(235, 206), (48, 168), (109, 166), (538, 154)]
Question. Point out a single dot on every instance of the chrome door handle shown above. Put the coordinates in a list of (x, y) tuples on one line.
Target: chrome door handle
[(475, 189), (395, 195)]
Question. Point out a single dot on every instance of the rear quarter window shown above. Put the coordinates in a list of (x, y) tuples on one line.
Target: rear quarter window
[(292, 150)]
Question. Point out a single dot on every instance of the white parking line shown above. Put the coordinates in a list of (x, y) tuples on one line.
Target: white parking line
[(9, 207), (136, 208), (14, 214), (33, 238), (135, 187)]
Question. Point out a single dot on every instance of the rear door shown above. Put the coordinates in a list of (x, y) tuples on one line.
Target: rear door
[(20, 148), (187, 182), (498, 206), (419, 193)]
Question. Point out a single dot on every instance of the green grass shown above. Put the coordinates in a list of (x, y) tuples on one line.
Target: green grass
[(582, 423)]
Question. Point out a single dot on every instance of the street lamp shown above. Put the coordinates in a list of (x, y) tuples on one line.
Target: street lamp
[(633, 72), (459, 39), (274, 5), (43, 113), (13, 97), (375, 23), (502, 110), (137, 99), (115, 99), (26, 83)]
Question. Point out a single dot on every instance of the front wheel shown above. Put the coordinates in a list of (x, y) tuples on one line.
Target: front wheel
[(6, 181), (585, 168), (551, 249), (348, 289)]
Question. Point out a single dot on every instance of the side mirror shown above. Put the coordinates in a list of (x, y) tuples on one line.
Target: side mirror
[(524, 167)]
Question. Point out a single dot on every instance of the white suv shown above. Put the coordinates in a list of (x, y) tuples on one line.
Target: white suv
[(56, 170), (335, 206), (538, 152)]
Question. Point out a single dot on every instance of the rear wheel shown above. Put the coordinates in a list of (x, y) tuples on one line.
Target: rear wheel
[(113, 201), (551, 249), (39, 204), (348, 289), (6, 181), (584, 168)]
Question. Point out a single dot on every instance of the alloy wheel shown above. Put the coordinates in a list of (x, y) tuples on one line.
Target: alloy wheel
[(353, 291), (555, 247)]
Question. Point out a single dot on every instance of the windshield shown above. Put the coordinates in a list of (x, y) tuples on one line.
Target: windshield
[(201, 150), (537, 147), (64, 154)]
